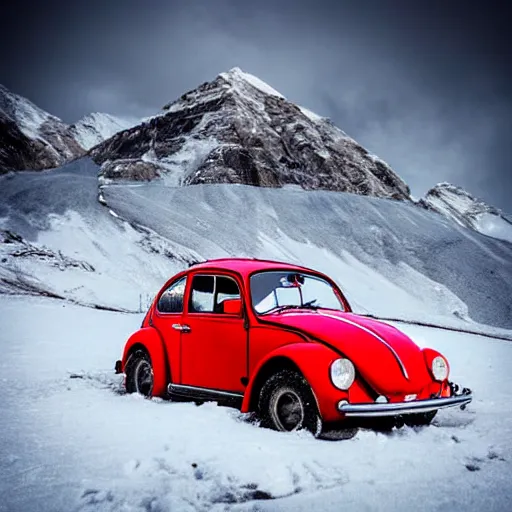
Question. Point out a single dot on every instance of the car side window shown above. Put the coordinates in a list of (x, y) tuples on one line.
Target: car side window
[(171, 301), (209, 293)]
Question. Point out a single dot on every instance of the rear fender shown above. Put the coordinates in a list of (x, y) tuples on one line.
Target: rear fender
[(150, 340), (313, 360)]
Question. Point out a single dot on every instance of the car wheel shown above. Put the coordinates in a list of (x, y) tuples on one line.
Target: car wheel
[(139, 374), (419, 420), (286, 403)]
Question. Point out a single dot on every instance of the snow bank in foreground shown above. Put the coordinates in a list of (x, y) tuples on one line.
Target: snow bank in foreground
[(76, 444)]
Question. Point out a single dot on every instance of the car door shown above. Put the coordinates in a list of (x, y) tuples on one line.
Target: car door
[(214, 344), (168, 321)]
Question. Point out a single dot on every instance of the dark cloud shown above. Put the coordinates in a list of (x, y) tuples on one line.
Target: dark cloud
[(425, 85)]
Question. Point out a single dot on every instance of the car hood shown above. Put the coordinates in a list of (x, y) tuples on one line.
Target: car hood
[(388, 360)]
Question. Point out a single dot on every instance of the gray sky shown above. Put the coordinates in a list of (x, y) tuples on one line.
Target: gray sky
[(424, 85)]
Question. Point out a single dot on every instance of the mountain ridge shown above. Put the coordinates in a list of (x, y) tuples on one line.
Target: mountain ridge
[(31, 138), (237, 129), (468, 211), (94, 128)]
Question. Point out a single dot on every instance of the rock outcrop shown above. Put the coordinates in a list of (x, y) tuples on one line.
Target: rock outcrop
[(31, 138), (464, 209)]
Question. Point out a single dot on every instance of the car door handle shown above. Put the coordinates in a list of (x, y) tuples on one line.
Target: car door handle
[(181, 327)]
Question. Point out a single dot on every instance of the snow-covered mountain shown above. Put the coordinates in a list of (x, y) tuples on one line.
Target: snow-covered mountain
[(97, 127), (460, 206), (237, 129), (31, 138)]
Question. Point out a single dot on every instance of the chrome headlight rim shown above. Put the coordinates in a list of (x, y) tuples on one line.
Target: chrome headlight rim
[(439, 368), (342, 373)]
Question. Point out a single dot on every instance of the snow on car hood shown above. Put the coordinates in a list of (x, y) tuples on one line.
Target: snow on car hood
[(385, 357)]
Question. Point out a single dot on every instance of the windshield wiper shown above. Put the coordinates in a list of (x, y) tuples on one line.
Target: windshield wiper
[(307, 305)]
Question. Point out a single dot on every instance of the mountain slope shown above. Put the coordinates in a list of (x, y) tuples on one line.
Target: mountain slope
[(97, 127), (237, 129), (57, 239), (31, 138), (391, 258), (460, 206)]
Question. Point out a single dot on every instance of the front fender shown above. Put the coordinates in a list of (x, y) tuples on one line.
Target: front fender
[(151, 341), (313, 360)]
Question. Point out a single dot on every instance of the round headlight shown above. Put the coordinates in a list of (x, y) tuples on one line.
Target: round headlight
[(439, 368), (343, 373)]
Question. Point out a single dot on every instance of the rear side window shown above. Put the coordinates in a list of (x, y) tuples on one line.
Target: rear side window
[(171, 301), (209, 293)]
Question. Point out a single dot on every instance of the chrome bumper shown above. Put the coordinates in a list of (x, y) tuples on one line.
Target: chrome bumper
[(375, 410)]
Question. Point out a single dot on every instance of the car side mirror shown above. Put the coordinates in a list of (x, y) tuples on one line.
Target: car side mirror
[(232, 306)]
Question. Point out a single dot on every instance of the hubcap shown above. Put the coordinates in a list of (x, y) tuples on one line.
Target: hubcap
[(144, 377), (287, 410)]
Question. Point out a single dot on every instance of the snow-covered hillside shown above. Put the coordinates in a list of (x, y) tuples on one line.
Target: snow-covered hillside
[(460, 206), (63, 242), (31, 138), (392, 258), (237, 129), (70, 441), (97, 127)]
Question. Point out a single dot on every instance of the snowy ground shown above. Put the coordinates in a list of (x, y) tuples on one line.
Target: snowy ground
[(77, 444)]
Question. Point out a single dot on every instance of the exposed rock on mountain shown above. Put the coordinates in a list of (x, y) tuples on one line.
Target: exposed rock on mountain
[(30, 138), (237, 129), (460, 206), (97, 127)]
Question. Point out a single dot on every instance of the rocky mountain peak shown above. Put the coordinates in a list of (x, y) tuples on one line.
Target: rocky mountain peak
[(97, 127), (466, 210), (27, 116), (238, 129), (31, 138)]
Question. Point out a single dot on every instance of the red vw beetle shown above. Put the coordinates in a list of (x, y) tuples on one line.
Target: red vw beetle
[(281, 340)]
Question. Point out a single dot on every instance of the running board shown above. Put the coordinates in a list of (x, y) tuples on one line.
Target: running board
[(195, 394)]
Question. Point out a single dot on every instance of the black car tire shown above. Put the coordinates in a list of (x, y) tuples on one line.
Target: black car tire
[(286, 403), (139, 374)]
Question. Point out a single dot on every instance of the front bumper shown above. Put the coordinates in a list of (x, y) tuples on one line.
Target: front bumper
[(377, 410)]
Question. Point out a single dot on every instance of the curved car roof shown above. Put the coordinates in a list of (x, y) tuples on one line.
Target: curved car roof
[(246, 266)]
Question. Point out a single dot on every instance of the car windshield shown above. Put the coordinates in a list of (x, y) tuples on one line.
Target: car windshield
[(276, 290)]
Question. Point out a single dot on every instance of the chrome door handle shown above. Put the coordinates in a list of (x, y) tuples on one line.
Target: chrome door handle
[(181, 327)]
